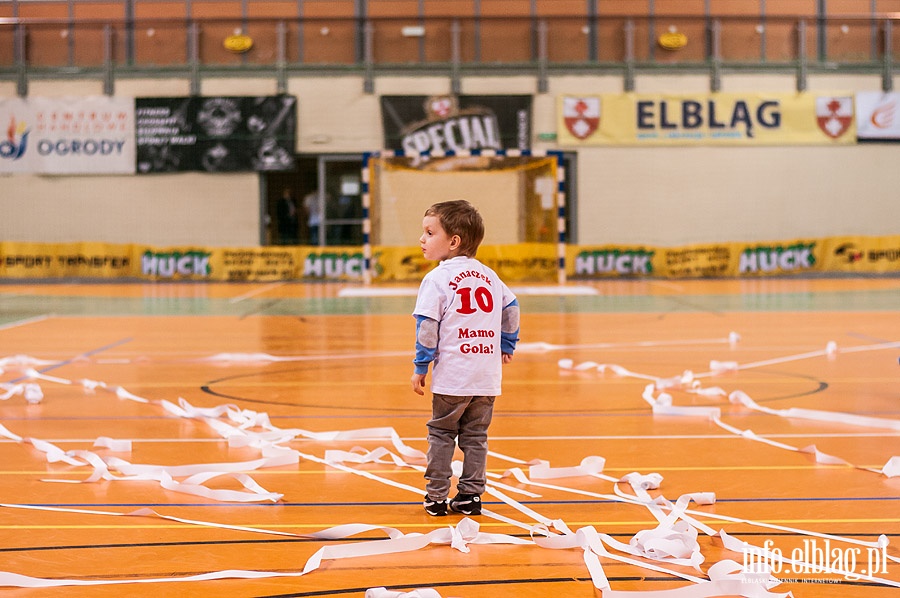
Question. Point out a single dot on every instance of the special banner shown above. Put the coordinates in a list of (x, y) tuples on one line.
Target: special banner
[(706, 119), (215, 134), (449, 123), (68, 135)]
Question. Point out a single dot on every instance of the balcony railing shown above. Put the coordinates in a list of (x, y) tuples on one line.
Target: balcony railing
[(453, 45)]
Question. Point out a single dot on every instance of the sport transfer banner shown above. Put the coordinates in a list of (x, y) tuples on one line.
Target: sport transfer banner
[(215, 134), (706, 119), (65, 260), (69, 135), (525, 262)]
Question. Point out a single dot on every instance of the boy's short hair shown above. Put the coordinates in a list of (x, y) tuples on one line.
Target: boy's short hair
[(459, 217)]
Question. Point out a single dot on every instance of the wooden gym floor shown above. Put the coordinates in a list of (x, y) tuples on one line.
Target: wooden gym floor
[(294, 360)]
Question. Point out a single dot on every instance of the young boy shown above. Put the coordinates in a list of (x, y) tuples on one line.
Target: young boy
[(467, 324)]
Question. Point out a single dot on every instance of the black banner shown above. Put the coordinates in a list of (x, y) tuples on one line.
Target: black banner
[(440, 124), (215, 134)]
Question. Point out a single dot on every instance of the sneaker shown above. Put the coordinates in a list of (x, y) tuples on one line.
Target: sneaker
[(467, 504), (435, 508)]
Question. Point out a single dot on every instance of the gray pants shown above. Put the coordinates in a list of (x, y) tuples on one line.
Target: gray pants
[(466, 419)]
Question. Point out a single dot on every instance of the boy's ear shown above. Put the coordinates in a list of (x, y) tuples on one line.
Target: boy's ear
[(455, 242)]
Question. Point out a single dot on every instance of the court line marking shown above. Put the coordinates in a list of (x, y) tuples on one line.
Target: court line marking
[(25, 322), (65, 362), (282, 472), (556, 290), (605, 523), (393, 503), (255, 292), (529, 438)]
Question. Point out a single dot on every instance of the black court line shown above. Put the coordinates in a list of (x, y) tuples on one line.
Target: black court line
[(60, 364), (399, 504), (819, 386), (129, 545), (543, 580)]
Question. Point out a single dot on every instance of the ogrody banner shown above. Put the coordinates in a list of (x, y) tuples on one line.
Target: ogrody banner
[(448, 123), (215, 134), (89, 135), (706, 119)]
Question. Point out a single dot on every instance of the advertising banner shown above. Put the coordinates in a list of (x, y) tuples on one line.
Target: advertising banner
[(525, 262), (256, 264), (878, 115), (174, 263), (869, 255), (215, 134), (860, 255), (66, 260), (448, 123), (706, 119), (715, 260), (83, 135)]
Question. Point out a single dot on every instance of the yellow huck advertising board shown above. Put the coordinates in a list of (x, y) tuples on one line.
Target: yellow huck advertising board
[(526, 262)]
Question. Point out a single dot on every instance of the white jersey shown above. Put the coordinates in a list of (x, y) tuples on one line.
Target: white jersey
[(466, 298)]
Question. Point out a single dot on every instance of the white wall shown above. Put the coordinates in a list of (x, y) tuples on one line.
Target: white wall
[(176, 209), (658, 196), (680, 196)]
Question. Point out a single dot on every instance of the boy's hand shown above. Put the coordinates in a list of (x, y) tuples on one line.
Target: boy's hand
[(507, 357), (418, 383)]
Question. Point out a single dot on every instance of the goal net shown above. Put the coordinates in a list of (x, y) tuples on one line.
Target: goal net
[(519, 197)]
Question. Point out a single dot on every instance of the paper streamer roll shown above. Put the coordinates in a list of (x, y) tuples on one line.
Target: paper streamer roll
[(120, 446), (673, 541), (741, 398), (589, 466)]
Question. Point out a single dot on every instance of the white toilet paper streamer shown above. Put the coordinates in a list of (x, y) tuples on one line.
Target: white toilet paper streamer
[(589, 463)]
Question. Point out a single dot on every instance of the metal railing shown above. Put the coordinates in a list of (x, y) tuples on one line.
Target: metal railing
[(455, 45)]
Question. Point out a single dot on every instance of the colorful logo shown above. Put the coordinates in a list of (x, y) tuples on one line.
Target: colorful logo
[(581, 115), (883, 115), (849, 252), (16, 140), (834, 115)]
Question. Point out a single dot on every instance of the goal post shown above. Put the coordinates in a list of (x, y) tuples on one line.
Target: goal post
[(520, 194)]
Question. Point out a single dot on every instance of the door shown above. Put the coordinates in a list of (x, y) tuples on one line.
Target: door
[(318, 203), (340, 176)]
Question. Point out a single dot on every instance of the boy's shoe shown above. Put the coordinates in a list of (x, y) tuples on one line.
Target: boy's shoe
[(435, 508), (467, 504)]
